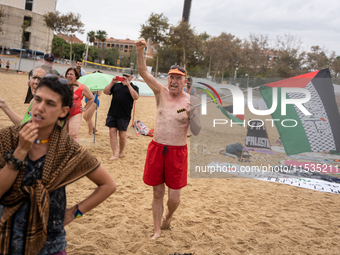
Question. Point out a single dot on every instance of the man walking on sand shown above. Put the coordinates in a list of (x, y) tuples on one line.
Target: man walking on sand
[(119, 115), (167, 157)]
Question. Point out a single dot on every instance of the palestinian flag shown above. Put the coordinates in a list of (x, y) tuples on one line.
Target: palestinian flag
[(227, 111), (317, 132)]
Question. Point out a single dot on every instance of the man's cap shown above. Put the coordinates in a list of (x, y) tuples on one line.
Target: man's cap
[(49, 56), (127, 71), (177, 70)]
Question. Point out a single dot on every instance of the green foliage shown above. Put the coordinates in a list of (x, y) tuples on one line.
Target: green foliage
[(52, 20), (101, 35), (64, 23), (204, 36), (78, 50), (184, 41), (317, 59), (110, 56), (166, 58), (155, 28), (60, 48), (92, 36), (24, 26), (92, 53)]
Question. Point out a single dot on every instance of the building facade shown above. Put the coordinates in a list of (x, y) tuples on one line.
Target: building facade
[(67, 38), (37, 37), (125, 47)]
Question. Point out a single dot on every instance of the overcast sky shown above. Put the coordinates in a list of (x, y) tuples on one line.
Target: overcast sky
[(313, 22)]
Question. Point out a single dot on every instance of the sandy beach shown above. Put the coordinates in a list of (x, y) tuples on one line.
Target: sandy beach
[(216, 215)]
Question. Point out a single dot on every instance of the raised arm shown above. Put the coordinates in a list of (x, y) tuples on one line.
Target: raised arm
[(143, 71), (14, 117), (107, 89), (132, 91), (8, 173)]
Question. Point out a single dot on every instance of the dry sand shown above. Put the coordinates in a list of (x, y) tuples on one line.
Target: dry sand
[(216, 216)]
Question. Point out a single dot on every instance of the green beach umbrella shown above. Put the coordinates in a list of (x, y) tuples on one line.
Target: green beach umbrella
[(96, 81)]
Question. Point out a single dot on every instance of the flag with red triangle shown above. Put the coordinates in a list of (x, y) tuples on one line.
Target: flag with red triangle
[(317, 132)]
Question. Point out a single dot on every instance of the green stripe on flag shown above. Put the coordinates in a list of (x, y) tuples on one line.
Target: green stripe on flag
[(208, 92), (294, 139), (230, 116)]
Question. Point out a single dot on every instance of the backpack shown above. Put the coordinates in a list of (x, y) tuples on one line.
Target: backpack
[(140, 127)]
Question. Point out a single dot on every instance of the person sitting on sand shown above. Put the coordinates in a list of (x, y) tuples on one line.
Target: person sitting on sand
[(38, 73), (119, 115), (37, 160), (167, 156)]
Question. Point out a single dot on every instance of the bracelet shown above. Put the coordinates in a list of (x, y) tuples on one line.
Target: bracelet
[(192, 117), (16, 163), (78, 214)]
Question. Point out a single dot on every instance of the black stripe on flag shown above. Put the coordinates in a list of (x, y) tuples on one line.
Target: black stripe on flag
[(323, 85)]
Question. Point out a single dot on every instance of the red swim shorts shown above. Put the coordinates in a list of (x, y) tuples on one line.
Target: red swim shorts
[(166, 163)]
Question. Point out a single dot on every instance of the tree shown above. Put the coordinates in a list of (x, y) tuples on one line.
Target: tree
[(259, 54), (101, 35), (71, 24), (52, 21), (67, 24), (335, 68), (78, 50), (112, 57), (291, 57), (60, 47), (317, 59), (224, 51), (103, 54), (167, 57), (155, 29), (92, 36), (93, 53), (183, 40)]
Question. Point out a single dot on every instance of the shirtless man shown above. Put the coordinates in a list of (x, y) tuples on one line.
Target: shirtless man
[(167, 157)]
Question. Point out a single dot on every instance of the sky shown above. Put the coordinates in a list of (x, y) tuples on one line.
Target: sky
[(312, 22)]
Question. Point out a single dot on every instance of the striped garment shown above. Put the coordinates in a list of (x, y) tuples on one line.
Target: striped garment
[(66, 161)]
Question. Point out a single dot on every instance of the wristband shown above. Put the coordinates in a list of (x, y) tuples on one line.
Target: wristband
[(78, 214), (16, 163)]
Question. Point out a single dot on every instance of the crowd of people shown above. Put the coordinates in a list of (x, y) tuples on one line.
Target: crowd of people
[(41, 153)]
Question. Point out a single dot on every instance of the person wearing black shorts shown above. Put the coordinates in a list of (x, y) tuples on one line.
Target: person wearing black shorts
[(119, 115)]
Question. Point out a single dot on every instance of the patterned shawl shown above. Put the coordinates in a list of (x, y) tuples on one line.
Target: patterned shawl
[(66, 161)]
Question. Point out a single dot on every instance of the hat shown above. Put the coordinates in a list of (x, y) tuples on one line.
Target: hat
[(49, 57), (127, 71), (177, 70)]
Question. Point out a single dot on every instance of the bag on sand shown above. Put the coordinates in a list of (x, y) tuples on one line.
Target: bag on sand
[(140, 127)]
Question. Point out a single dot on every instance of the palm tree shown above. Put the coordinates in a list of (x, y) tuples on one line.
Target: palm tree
[(101, 35), (92, 36)]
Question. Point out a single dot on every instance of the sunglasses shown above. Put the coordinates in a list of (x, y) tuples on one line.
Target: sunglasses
[(181, 69), (62, 80), (36, 78)]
